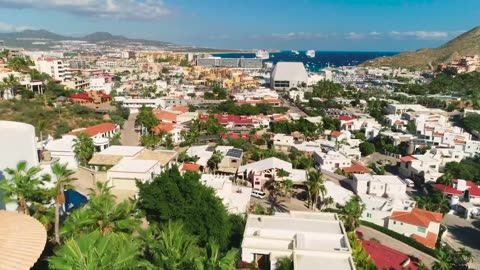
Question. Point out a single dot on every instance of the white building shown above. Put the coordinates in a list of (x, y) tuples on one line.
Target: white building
[(331, 160), (17, 143), (55, 67), (379, 185), (100, 84), (288, 75), (235, 198), (314, 240), (63, 150), (378, 209)]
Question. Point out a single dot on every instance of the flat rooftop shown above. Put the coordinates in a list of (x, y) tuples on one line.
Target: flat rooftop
[(134, 166), (164, 156), (326, 260), (120, 150)]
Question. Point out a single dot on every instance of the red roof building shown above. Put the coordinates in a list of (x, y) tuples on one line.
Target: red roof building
[(346, 118), (90, 97), (165, 127), (165, 115), (336, 133), (182, 109), (387, 258), (93, 131), (357, 167), (189, 167), (421, 220)]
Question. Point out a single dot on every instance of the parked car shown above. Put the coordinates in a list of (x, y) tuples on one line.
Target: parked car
[(409, 182), (258, 194)]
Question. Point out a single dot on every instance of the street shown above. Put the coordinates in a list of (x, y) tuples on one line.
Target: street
[(464, 233), (128, 134)]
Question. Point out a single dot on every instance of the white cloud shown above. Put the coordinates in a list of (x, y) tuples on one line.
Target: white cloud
[(298, 35), (131, 9), (422, 34), (6, 27)]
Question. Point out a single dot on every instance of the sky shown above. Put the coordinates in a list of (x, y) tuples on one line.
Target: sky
[(338, 25)]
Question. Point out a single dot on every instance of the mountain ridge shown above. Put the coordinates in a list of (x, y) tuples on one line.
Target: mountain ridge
[(467, 43)]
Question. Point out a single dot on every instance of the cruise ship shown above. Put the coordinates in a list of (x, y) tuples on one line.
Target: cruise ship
[(310, 53), (262, 54)]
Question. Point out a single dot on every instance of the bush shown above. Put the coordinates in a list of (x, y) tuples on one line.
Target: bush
[(400, 237), (62, 128), (367, 148)]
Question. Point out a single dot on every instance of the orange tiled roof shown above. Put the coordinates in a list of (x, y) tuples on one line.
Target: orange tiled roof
[(165, 116), (190, 167), (167, 127), (183, 109), (336, 133), (428, 241), (417, 216), (94, 130)]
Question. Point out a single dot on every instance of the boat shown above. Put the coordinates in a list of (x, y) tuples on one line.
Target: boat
[(295, 52), (262, 54), (310, 53)]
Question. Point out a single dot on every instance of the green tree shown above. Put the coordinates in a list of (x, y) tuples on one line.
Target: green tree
[(97, 251), (63, 177), (351, 212), (471, 122), (360, 257), (83, 148), (23, 186), (10, 84), (116, 139), (212, 126), (367, 148), (215, 160), (284, 263), (448, 258), (102, 213), (170, 248), (315, 187), (215, 260), (175, 197), (147, 119)]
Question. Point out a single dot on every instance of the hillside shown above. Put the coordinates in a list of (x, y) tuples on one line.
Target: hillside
[(26, 38), (467, 43)]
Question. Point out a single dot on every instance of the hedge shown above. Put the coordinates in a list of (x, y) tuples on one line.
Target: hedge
[(402, 238)]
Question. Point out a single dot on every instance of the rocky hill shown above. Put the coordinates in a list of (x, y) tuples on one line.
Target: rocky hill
[(467, 43)]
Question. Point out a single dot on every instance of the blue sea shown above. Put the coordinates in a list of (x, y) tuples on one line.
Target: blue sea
[(321, 60)]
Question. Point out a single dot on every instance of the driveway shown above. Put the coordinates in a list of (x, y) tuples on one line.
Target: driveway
[(388, 241), (464, 233), (128, 134)]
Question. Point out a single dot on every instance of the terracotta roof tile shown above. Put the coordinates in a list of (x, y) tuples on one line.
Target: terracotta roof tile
[(167, 127), (190, 167), (417, 216), (446, 189), (95, 130), (165, 115), (336, 133), (428, 241), (183, 109), (407, 158)]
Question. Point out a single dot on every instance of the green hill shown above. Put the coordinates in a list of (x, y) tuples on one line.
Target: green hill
[(467, 43)]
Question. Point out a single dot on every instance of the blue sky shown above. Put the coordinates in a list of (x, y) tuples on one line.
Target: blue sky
[(364, 25)]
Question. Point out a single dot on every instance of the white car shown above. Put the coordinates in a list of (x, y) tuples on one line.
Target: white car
[(258, 194)]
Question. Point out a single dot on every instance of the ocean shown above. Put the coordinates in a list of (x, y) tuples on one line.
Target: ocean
[(321, 60)]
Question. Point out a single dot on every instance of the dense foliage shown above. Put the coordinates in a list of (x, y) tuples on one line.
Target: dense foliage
[(301, 125), (468, 169), (471, 122), (231, 107), (217, 93), (175, 197), (367, 148)]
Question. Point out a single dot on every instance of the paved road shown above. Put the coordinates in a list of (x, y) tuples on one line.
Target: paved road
[(128, 134), (386, 240), (293, 108), (464, 233)]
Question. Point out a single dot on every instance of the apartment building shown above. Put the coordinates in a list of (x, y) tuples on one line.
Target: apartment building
[(379, 185), (55, 67)]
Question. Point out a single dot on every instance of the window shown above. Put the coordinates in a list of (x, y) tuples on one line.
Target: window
[(369, 215), (394, 222), (421, 229)]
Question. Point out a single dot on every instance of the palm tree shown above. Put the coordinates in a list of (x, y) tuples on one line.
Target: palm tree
[(288, 187), (213, 259), (171, 248), (97, 251), (104, 214), (328, 201), (215, 160), (23, 186), (315, 188), (351, 213), (9, 83), (64, 177), (360, 257), (284, 263), (444, 260), (83, 148)]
